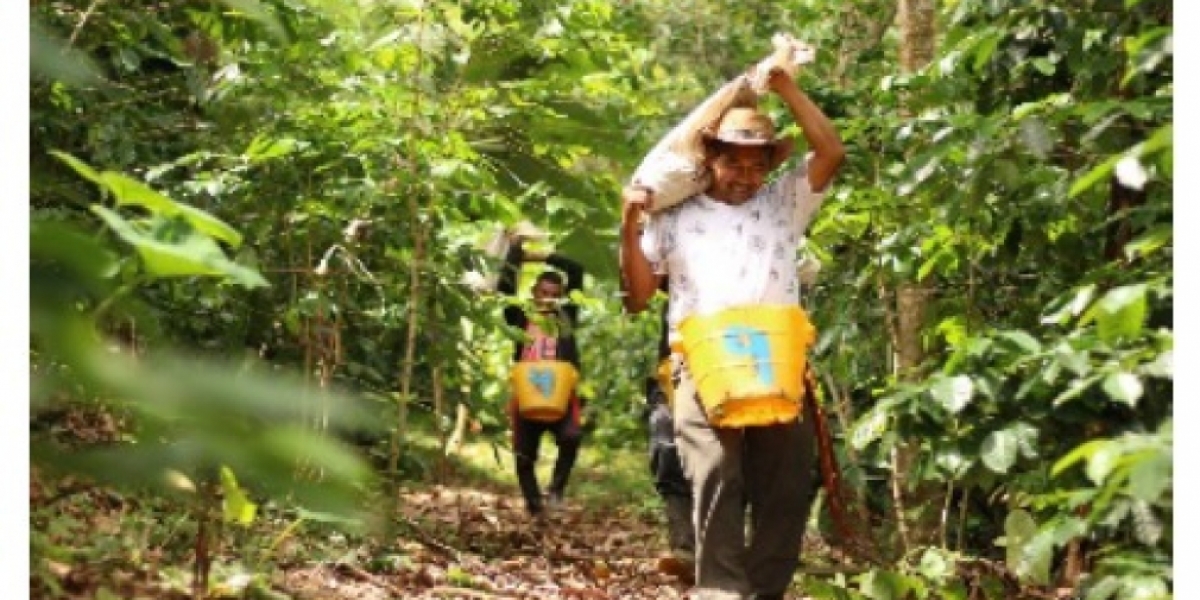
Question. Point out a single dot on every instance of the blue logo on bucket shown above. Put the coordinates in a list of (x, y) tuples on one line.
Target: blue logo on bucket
[(543, 380), (741, 340)]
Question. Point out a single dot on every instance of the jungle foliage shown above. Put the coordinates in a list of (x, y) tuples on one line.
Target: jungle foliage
[(250, 221)]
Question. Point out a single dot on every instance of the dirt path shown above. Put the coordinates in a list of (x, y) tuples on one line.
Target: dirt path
[(470, 544)]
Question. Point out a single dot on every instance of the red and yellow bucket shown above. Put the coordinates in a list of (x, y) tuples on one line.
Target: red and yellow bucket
[(543, 388), (748, 363)]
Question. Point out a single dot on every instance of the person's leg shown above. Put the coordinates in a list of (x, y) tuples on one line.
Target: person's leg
[(527, 438), (673, 487), (567, 436), (781, 484), (712, 460), (665, 465)]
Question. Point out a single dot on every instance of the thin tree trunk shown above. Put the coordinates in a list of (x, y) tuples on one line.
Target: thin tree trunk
[(918, 44), (414, 281), (861, 32), (459, 433), (439, 411), (911, 301), (918, 505), (410, 345)]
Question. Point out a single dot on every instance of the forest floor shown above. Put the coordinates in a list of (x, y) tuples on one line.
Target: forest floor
[(462, 533)]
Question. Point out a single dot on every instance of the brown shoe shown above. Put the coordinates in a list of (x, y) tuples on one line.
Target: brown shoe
[(678, 565)]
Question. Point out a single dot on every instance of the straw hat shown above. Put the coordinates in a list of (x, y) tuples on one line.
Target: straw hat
[(746, 126)]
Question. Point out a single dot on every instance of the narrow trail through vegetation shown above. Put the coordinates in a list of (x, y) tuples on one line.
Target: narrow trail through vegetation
[(486, 547), (468, 538), (265, 244)]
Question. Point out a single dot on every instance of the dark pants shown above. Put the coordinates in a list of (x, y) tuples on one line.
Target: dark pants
[(527, 440), (669, 479), (771, 471)]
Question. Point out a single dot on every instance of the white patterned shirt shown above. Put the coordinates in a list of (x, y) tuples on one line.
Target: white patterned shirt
[(717, 255)]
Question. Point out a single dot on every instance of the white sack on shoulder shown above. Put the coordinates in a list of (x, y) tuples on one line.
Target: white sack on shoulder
[(674, 169)]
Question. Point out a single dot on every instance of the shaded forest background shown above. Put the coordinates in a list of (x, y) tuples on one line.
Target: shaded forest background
[(250, 222)]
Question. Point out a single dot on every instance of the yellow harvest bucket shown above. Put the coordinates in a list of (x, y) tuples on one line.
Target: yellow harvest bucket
[(748, 363), (663, 375), (543, 388)]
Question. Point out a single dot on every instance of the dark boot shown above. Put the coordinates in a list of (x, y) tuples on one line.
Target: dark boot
[(681, 560), (680, 532)]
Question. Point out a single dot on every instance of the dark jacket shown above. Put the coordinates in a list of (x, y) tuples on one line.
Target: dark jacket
[(568, 314)]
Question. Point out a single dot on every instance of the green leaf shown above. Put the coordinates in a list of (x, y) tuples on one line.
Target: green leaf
[(955, 590), (133, 192), (883, 585), (1149, 242), (581, 244), (1094, 176), (936, 565), (1104, 589), (953, 329), (1026, 436), (985, 49), (1145, 587), (130, 191), (50, 56), (1161, 139), (820, 589), (171, 248), (263, 148), (1027, 552), (1120, 313), (257, 11), (952, 461), (1123, 387), (1076, 388), (1102, 462), (79, 167), (1163, 365), (1150, 478), (954, 393), (1022, 339), (237, 507), (1083, 451), (1071, 307), (1035, 559), (999, 451), (1019, 528), (1074, 360), (869, 428), (1044, 65), (1147, 528), (63, 243), (252, 420), (1068, 529)]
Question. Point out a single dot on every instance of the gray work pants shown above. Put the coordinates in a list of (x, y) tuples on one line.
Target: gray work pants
[(769, 470)]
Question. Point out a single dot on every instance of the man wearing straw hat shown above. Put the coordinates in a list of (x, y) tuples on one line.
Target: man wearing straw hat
[(735, 244)]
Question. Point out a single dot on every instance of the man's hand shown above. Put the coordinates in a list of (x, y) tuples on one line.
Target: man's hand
[(635, 200), (636, 271), (779, 80), (820, 134)]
